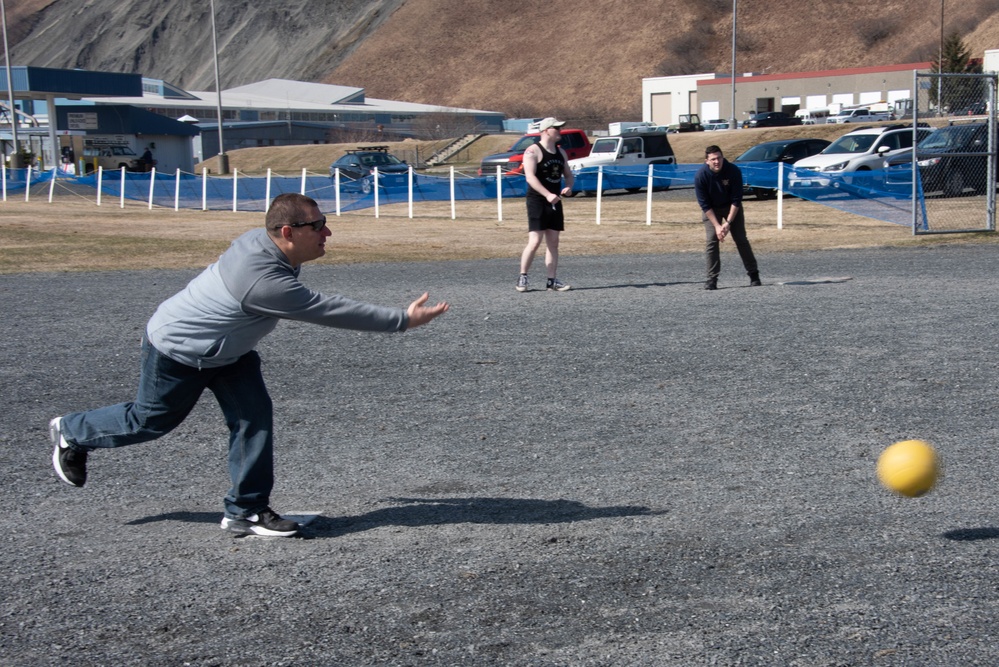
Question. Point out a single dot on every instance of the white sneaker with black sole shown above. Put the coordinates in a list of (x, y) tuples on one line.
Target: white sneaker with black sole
[(266, 522)]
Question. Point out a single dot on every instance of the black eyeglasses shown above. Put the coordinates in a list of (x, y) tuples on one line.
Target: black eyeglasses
[(315, 224)]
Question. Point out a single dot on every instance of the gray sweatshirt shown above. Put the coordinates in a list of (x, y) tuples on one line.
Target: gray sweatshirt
[(224, 312)]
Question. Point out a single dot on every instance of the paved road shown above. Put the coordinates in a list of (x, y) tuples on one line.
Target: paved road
[(635, 472)]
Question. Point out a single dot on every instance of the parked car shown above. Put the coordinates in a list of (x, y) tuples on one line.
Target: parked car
[(111, 157), (861, 115), (716, 124), (861, 150), (574, 142), (772, 119), (951, 161), (632, 149), (788, 151), (357, 169)]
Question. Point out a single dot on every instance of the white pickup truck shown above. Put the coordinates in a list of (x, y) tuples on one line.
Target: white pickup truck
[(859, 116)]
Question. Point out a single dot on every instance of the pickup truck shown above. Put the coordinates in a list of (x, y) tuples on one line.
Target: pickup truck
[(632, 149), (859, 116), (574, 142)]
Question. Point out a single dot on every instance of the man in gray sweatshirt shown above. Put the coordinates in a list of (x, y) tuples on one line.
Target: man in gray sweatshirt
[(204, 337)]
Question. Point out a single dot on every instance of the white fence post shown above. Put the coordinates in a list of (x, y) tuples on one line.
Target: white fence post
[(600, 189), (780, 195), (374, 174), (204, 188), (453, 212), (336, 188), (648, 199), (267, 191), (499, 192), (52, 184), (121, 203), (235, 189), (27, 184), (303, 180), (410, 170), (176, 191)]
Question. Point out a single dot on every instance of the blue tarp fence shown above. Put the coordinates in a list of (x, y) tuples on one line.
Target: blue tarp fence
[(872, 194)]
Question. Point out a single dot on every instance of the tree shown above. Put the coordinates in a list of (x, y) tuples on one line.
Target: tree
[(956, 92)]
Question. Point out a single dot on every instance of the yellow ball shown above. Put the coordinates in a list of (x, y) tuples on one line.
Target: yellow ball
[(909, 468)]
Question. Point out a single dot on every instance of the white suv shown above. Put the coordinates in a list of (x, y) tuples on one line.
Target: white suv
[(861, 150)]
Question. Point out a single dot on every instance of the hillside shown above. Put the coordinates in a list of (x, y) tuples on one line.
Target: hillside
[(583, 60)]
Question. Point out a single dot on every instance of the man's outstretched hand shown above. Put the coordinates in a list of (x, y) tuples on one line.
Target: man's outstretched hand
[(420, 314)]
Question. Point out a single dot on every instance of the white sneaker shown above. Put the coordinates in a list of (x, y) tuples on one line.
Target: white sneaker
[(522, 283)]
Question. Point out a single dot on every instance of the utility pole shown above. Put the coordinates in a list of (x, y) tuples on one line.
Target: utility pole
[(732, 121), (223, 159), (15, 156)]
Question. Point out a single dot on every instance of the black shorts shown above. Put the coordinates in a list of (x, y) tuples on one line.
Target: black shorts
[(541, 215)]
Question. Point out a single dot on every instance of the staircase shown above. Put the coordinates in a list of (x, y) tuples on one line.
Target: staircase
[(452, 148)]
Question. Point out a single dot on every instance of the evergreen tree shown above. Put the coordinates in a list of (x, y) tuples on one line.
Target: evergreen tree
[(956, 92)]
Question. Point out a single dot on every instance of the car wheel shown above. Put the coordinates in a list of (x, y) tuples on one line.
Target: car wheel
[(632, 190), (954, 185), (589, 193), (765, 193)]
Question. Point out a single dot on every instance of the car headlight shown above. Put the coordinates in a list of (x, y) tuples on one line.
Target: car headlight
[(839, 166), (929, 162)]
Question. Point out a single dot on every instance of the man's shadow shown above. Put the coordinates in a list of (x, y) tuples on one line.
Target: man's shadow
[(415, 512), (972, 534), (639, 285)]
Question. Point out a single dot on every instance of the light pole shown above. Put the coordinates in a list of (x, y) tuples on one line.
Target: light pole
[(15, 156), (223, 159), (731, 122), (940, 63)]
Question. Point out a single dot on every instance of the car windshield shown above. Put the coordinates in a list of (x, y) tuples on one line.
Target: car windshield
[(762, 153), (857, 143), (523, 144), (604, 146), (378, 159), (949, 137)]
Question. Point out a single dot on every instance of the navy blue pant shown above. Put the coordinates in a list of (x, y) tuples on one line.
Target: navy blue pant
[(167, 393)]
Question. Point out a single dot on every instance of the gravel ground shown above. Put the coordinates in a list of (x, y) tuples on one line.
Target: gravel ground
[(636, 472)]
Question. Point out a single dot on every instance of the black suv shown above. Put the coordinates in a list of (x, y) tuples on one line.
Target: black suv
[(951, 160), (357, 169), (772, 119)]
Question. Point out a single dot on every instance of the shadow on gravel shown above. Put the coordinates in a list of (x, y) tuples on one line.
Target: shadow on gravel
[(638, 285), (186, 517), (436, 511), (972, 534)]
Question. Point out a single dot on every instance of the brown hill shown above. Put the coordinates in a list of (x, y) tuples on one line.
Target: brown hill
[(585, 60), (582, 59)]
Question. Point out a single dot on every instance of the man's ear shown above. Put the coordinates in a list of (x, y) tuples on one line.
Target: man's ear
[(286, 233)]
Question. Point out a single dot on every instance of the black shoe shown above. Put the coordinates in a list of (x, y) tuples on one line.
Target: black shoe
[(265, 522), (69, 464), (754, 280), (711, 285)]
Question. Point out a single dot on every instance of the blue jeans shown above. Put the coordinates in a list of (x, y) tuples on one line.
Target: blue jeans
[(167, 393)]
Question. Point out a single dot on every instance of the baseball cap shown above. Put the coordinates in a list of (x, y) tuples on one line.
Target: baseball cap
[(550, 122)]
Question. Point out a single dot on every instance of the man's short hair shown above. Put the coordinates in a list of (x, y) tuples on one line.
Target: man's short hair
[(713, 149), (287, 209)]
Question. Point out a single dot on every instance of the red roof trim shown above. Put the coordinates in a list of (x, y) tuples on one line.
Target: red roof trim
[(850, 71)]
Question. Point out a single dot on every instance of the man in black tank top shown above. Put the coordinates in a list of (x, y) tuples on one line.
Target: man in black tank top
[(545, 166)]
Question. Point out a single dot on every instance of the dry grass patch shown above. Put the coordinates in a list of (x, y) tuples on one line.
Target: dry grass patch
[(76, 235)]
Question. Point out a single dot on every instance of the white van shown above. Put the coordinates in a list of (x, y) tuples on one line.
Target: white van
[(812, 116)]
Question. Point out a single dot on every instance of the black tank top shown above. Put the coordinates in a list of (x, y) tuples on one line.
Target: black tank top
[(550, 168)]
